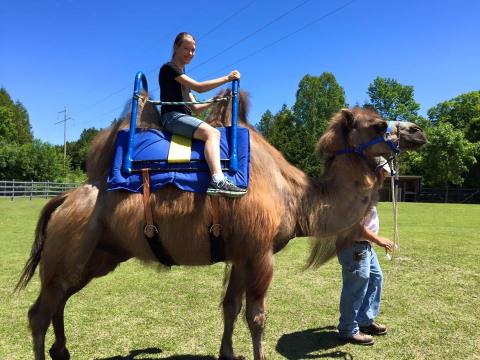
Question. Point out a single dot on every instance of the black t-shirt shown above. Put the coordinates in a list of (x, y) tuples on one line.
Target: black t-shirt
[(172, 90)]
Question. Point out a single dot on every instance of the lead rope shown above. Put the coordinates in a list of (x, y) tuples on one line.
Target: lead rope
[(394, 181)]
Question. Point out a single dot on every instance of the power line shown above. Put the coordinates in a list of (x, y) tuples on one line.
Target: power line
[(225, 20), (251, 34), (283, 38)]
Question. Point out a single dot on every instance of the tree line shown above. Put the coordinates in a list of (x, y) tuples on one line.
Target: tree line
[(22, 157), (449, 159), (453, 128)]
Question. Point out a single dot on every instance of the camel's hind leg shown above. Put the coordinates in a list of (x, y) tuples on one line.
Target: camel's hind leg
[(101, 263), (232, 304), (40, 315), (259, 276), (59, 351)]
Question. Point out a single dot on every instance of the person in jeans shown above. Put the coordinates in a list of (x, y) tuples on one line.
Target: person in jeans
[(175, 86), (362, 283)]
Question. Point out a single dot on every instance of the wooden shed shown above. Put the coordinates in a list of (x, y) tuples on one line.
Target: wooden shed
[(408, 190)]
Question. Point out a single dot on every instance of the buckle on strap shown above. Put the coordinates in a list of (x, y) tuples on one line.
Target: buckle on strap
[(150, 230), (215, 229)]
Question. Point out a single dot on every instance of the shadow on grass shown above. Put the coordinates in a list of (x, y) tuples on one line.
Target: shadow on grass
[(303, 344), (135, 355), (190, 357)]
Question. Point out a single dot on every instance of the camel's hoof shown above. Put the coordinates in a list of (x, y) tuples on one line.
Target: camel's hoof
[(59, 354)]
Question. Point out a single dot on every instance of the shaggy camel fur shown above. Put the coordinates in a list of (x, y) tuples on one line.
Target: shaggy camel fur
[(87, 232)]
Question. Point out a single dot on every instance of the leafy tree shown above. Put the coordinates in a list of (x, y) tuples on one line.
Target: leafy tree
[(392, 100), (265, 124), (77, 150), (282, 131), (14, 120), (463, 112), (37, 161), (317, 98), (7, 124), (447, 156)]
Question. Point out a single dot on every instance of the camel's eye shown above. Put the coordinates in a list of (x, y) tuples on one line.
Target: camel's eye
[(380, 127)]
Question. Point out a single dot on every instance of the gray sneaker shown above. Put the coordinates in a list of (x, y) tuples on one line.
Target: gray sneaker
[(226, 188)]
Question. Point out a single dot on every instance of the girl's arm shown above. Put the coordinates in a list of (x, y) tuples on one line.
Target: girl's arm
[(204, 86), (198, 108)]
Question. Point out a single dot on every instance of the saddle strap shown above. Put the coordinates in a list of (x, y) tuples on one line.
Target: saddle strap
[(151, 231), (217, 245), (216, 228)]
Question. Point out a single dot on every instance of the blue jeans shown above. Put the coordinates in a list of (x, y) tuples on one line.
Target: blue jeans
[(362, 287)]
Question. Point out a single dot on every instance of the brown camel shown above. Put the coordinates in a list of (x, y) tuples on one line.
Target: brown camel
[(87, 232)]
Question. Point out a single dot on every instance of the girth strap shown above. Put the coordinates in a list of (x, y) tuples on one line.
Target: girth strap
[(151, 231), (217, 246)]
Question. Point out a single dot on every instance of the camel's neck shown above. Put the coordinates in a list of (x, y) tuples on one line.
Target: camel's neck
[(339, 200)]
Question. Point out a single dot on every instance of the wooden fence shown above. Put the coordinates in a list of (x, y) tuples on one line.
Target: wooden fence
[(32, 189)]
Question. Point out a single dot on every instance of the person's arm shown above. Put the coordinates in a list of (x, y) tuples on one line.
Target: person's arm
[(379, 240), (197, 108), (204, 86)]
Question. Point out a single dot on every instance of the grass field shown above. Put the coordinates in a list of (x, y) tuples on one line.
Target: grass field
[(430, 300)]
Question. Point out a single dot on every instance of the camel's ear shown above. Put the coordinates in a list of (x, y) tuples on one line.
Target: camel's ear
[(348, 118), (335, 136)]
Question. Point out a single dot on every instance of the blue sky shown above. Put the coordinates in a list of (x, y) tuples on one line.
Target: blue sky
[(84, 54)]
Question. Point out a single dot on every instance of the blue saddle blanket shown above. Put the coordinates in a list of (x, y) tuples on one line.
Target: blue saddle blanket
[(151, 147)]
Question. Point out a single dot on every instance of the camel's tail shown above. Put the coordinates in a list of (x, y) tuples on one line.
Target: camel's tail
[(322, 250), (40, 233), (325, 248)]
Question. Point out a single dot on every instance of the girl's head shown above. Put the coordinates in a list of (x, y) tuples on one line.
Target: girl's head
[(183, 48)]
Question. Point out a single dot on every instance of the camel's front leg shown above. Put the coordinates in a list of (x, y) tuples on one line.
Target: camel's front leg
[(259, 276), (232, 304)]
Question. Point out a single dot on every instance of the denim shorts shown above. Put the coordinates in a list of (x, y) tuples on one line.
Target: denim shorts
[(179, 123)]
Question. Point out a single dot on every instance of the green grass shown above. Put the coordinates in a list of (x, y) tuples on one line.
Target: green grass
[(430, 299)]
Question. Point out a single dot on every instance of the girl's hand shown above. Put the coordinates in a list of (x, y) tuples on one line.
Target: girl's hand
[(234, 75)]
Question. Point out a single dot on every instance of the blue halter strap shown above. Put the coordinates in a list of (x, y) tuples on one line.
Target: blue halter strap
[(386, 138)]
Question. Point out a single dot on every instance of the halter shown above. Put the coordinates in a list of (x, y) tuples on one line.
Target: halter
[(386, 138)]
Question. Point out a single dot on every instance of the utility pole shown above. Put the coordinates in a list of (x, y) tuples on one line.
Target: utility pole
[(65, 119)]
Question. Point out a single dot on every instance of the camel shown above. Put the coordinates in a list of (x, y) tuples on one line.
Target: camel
[(87, 232)]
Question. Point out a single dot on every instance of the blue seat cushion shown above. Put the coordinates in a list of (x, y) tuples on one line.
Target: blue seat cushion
[(151, 147)]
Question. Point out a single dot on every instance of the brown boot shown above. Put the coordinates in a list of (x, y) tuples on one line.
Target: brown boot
[(359, 339), (374, 329)]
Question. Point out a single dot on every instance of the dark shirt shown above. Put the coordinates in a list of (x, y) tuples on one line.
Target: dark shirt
[(172, 90)]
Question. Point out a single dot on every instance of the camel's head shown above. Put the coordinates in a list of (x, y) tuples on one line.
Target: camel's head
[(363, 131)]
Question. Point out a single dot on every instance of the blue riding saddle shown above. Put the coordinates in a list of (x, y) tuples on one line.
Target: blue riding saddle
[(181, 162)]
